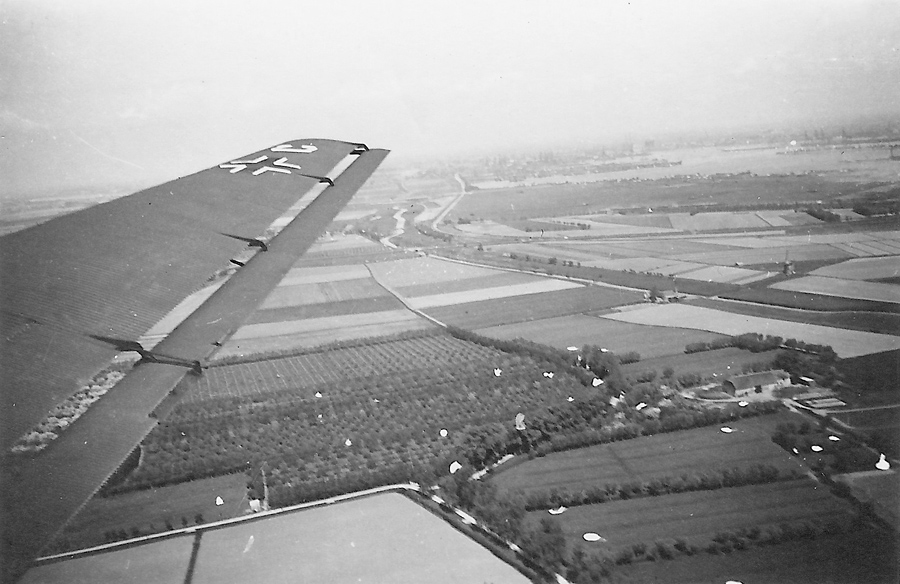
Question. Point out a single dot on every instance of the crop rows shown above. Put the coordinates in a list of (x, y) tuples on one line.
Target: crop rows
[(392, 418), (302, 371)]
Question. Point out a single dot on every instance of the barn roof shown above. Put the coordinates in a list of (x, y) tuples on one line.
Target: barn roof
[(754, 379)]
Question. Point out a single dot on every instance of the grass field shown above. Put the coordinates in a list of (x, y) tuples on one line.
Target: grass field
[(153, 507), (671, 454), (720, 362), (865, 556), (384, 538), (514, 309), (862, 269), (699, 515), (619, 337), (846, 343), (875, 291)]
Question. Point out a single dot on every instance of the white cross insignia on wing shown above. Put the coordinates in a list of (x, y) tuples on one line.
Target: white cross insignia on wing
[(281, 165)]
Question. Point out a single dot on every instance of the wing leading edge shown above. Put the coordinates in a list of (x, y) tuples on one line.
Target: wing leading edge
[(41, 494)]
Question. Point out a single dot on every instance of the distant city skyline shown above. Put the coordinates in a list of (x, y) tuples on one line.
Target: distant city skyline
[(102, 93)]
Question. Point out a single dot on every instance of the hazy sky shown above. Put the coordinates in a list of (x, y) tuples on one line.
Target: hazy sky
[(104, 92)]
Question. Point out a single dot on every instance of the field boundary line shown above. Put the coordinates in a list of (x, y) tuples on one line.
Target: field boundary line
[(584, 281), (199, 529), (403, 300)]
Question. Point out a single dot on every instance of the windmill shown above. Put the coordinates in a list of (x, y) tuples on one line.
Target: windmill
[(788, 265)]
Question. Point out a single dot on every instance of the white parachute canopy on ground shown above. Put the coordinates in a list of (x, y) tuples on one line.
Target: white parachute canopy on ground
[(443, 432), (520, 421), (726, 430), (596, 382), (548, 374), (591, 536), (572, 348), (883, 463), (497, 371), (816, 448), (219, 502), (558, 511), (348, 442), (455, 466)]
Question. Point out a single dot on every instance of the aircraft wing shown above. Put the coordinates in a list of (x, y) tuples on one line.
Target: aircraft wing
[(79, 288)]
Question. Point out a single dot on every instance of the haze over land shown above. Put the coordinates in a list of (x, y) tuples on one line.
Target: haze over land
[(96, 94)]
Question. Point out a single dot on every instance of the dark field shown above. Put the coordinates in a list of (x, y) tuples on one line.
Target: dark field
[(865, 556), (572, 199), (671, 454), (698, 516), (472, 315)]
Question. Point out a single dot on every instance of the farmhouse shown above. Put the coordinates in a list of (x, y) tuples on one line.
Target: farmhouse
[(743, 385)]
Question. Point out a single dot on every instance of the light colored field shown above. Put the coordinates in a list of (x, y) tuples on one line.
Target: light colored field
[(423, 270), (306, 294), (771, 255), (492, 281), (843, 288), (165, 562), (774, 218), (710, 221), (315, 275), (619, 337), (535, 287), (720, 274), (313, 325), (341, 328), (335, 242), (384, 538), (862, 269), (846, 343), (489, 227), (354, 214), (641, 220)]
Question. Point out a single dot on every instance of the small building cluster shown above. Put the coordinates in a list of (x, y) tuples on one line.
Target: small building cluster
[(751, 383)]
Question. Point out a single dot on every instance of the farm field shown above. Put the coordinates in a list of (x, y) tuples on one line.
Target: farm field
[(719, 362), (537, 286), (579, 330), (864, 321), (843, 288), (495, 280), (148, 510), (697, 516), (862, 269), (865, 556), (331, 366), (321, 292), (311, 332), (392, 419), (473, 315), (425, 270), (670, 186), (164, 562), (670, 454), (846, 343), (383, 538)]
